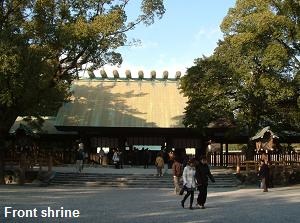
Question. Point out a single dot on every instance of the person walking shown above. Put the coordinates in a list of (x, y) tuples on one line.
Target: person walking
[(189, 182), (159, 163), (177, 174), (202, 175), (264, 175)]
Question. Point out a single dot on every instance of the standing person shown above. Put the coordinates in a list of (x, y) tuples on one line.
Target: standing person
[(121, 158), (79, 159), (130, 157), (177, 173), (170, 159), (271, 174), (264, 175), (202, 175), (101, 156), (159, 163), (146, 158), (189, 182), (116, 159), (165, 156), (81, 148)]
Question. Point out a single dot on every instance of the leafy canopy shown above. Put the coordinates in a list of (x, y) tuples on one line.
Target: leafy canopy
[(44, 44), (252, 78)]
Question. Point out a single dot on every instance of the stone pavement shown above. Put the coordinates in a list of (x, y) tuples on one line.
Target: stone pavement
[(114, 205)]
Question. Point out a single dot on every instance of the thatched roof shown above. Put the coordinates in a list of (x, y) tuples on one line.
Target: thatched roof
[(260, 135), (221, 123), (46, 128), (124, 103)]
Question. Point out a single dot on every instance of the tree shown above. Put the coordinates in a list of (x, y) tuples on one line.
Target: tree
[(210, 88), (253, 76), (44, 44)]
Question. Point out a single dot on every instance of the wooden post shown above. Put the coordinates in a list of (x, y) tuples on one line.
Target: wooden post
[(247, 168), (226, 154), (22, 168), (50, 162), (2, 159), (221, 155), (256, 167), (215, 159), (238, 164)]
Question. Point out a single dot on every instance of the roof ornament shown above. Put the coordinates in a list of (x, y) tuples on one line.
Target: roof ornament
[(103, 74), (141, 74), (177, 75), (128, 74), (153, 74), (165, 74), (91, 74), (116, 74)]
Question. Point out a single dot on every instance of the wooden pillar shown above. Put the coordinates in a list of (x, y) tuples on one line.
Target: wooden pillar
[(247, 168), (169, 144), (215, 159), (121, 143), (226, 154), (50, 161), (238, 164), (2, 158), (221, 154), (256, 166), (123, 156), (22, 168), (200, 149)]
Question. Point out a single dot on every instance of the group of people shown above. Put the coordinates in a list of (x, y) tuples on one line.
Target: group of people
[(195, 177)]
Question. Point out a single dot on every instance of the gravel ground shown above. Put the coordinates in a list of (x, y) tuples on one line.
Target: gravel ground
[(113, 205)]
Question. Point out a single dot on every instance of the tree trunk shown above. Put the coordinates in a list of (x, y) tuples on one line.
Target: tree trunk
[(7, 119), (2, 143), (252, 128), (250, 153)]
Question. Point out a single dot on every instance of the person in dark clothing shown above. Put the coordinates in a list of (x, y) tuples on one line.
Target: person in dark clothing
[(166, 160), (145, 156), (271, 173), (264, 175), (202, 174), (79, 159), (121, 156), (185, 159)]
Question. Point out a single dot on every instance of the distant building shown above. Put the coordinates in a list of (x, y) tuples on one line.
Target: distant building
[(112, 112)]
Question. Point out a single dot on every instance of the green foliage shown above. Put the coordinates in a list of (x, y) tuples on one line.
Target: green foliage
[(208, 86), (44, 44), (259, 61)]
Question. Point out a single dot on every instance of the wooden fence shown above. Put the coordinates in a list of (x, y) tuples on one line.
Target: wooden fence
[(217, 159)]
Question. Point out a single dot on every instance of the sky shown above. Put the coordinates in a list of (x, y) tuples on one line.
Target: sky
[(188, 30)]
